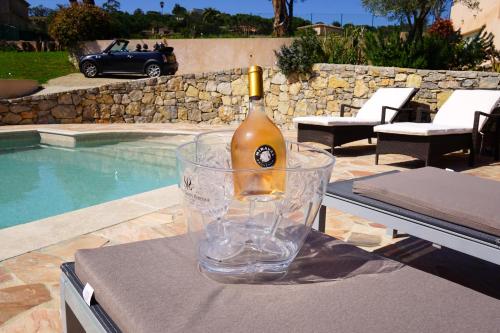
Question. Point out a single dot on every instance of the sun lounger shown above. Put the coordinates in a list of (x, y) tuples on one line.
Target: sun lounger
[(382, 107), (450, 209), (457, 125), (155, 286)]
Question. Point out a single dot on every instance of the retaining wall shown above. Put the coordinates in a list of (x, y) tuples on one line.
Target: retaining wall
[(221, 97)]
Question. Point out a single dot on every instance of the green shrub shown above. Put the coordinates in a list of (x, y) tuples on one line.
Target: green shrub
[(346, 48), (7, 47), (470, 54), (301, 55), (434, 51), (79, 22)]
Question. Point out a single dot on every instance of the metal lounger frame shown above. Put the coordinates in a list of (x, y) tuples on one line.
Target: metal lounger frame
[(472, 242), (76, 315)]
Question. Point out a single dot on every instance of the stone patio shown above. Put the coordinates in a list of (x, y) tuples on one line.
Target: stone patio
[(29, 283)]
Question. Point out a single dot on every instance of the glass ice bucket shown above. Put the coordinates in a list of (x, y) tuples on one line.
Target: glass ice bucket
[(252, 238)]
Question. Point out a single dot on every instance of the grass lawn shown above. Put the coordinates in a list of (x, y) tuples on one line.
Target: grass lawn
[(40, 66)]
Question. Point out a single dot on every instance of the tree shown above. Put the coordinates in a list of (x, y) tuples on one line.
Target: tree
[(413, 12), (40, 11), (87, 2), (179, 11), (74, 24), (111, 6), (281, 18)]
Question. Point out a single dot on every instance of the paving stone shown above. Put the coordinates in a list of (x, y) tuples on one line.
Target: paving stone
[(66, 250), (15, 300), (35, 267), (5, 276), (38, 320), (364, 239)]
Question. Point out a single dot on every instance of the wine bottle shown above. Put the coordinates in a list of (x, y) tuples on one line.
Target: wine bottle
[(258, 144)]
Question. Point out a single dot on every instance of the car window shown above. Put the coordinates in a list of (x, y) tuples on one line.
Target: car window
[(119, 47)]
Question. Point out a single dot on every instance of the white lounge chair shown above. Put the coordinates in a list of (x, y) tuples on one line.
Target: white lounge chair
[(382, 107), (457, 125)]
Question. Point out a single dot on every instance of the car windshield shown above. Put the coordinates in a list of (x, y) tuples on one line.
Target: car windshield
[(119, 47)]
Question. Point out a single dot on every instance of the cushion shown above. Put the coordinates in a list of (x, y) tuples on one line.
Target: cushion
[(421, 129), (155, 286), (459, 108), (455, 197), (337, 121), (394, 97)]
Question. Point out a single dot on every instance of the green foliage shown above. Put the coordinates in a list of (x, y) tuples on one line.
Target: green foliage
[(111, 6), (391, 50), (436, 50), (473, 52), (414, 13), (346, 48), (301, 55), (80, 22), (295, 23), (6, 47), (40, 11), (40, 66)]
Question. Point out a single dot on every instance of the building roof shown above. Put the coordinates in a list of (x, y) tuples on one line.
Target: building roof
[(321, 25)]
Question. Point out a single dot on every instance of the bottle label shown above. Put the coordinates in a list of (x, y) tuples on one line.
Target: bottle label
[(265, 156)]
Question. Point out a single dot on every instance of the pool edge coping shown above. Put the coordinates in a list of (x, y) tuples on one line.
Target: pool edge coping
[(35, 235)]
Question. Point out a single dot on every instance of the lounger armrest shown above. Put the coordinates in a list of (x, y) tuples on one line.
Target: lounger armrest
[(385, 108), (345, 106), (475, 130)]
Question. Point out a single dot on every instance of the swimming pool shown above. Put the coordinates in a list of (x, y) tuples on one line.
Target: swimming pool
[(41, 181)]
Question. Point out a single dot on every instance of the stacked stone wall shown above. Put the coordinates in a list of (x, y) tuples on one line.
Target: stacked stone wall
[(222, 97)]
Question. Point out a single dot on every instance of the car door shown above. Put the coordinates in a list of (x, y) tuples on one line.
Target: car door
[(116, 62), (137, 61)]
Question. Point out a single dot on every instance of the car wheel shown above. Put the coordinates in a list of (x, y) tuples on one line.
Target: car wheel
[(89, 69), (153, 70)]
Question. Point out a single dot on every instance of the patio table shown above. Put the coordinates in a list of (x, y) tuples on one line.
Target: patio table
[(155, 286)]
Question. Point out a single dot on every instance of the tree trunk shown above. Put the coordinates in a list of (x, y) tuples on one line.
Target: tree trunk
[(290, 15), (280, 24)]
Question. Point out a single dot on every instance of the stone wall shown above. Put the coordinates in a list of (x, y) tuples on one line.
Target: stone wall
[(221, 97)]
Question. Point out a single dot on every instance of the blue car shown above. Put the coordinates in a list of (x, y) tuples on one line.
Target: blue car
[(118, 59)]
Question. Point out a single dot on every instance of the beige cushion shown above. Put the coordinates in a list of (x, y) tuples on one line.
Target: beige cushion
[(459, 108), (454, 197), (155, 286), (337, 121), (393, 97), (421, 129), (370, 113)]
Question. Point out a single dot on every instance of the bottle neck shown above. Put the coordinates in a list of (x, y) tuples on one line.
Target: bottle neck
[(256, 104)]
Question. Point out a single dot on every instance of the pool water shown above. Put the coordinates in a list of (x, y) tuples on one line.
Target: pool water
[(42, 181)]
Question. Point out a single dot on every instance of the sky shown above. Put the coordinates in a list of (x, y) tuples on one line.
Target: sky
[(327, 11)]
